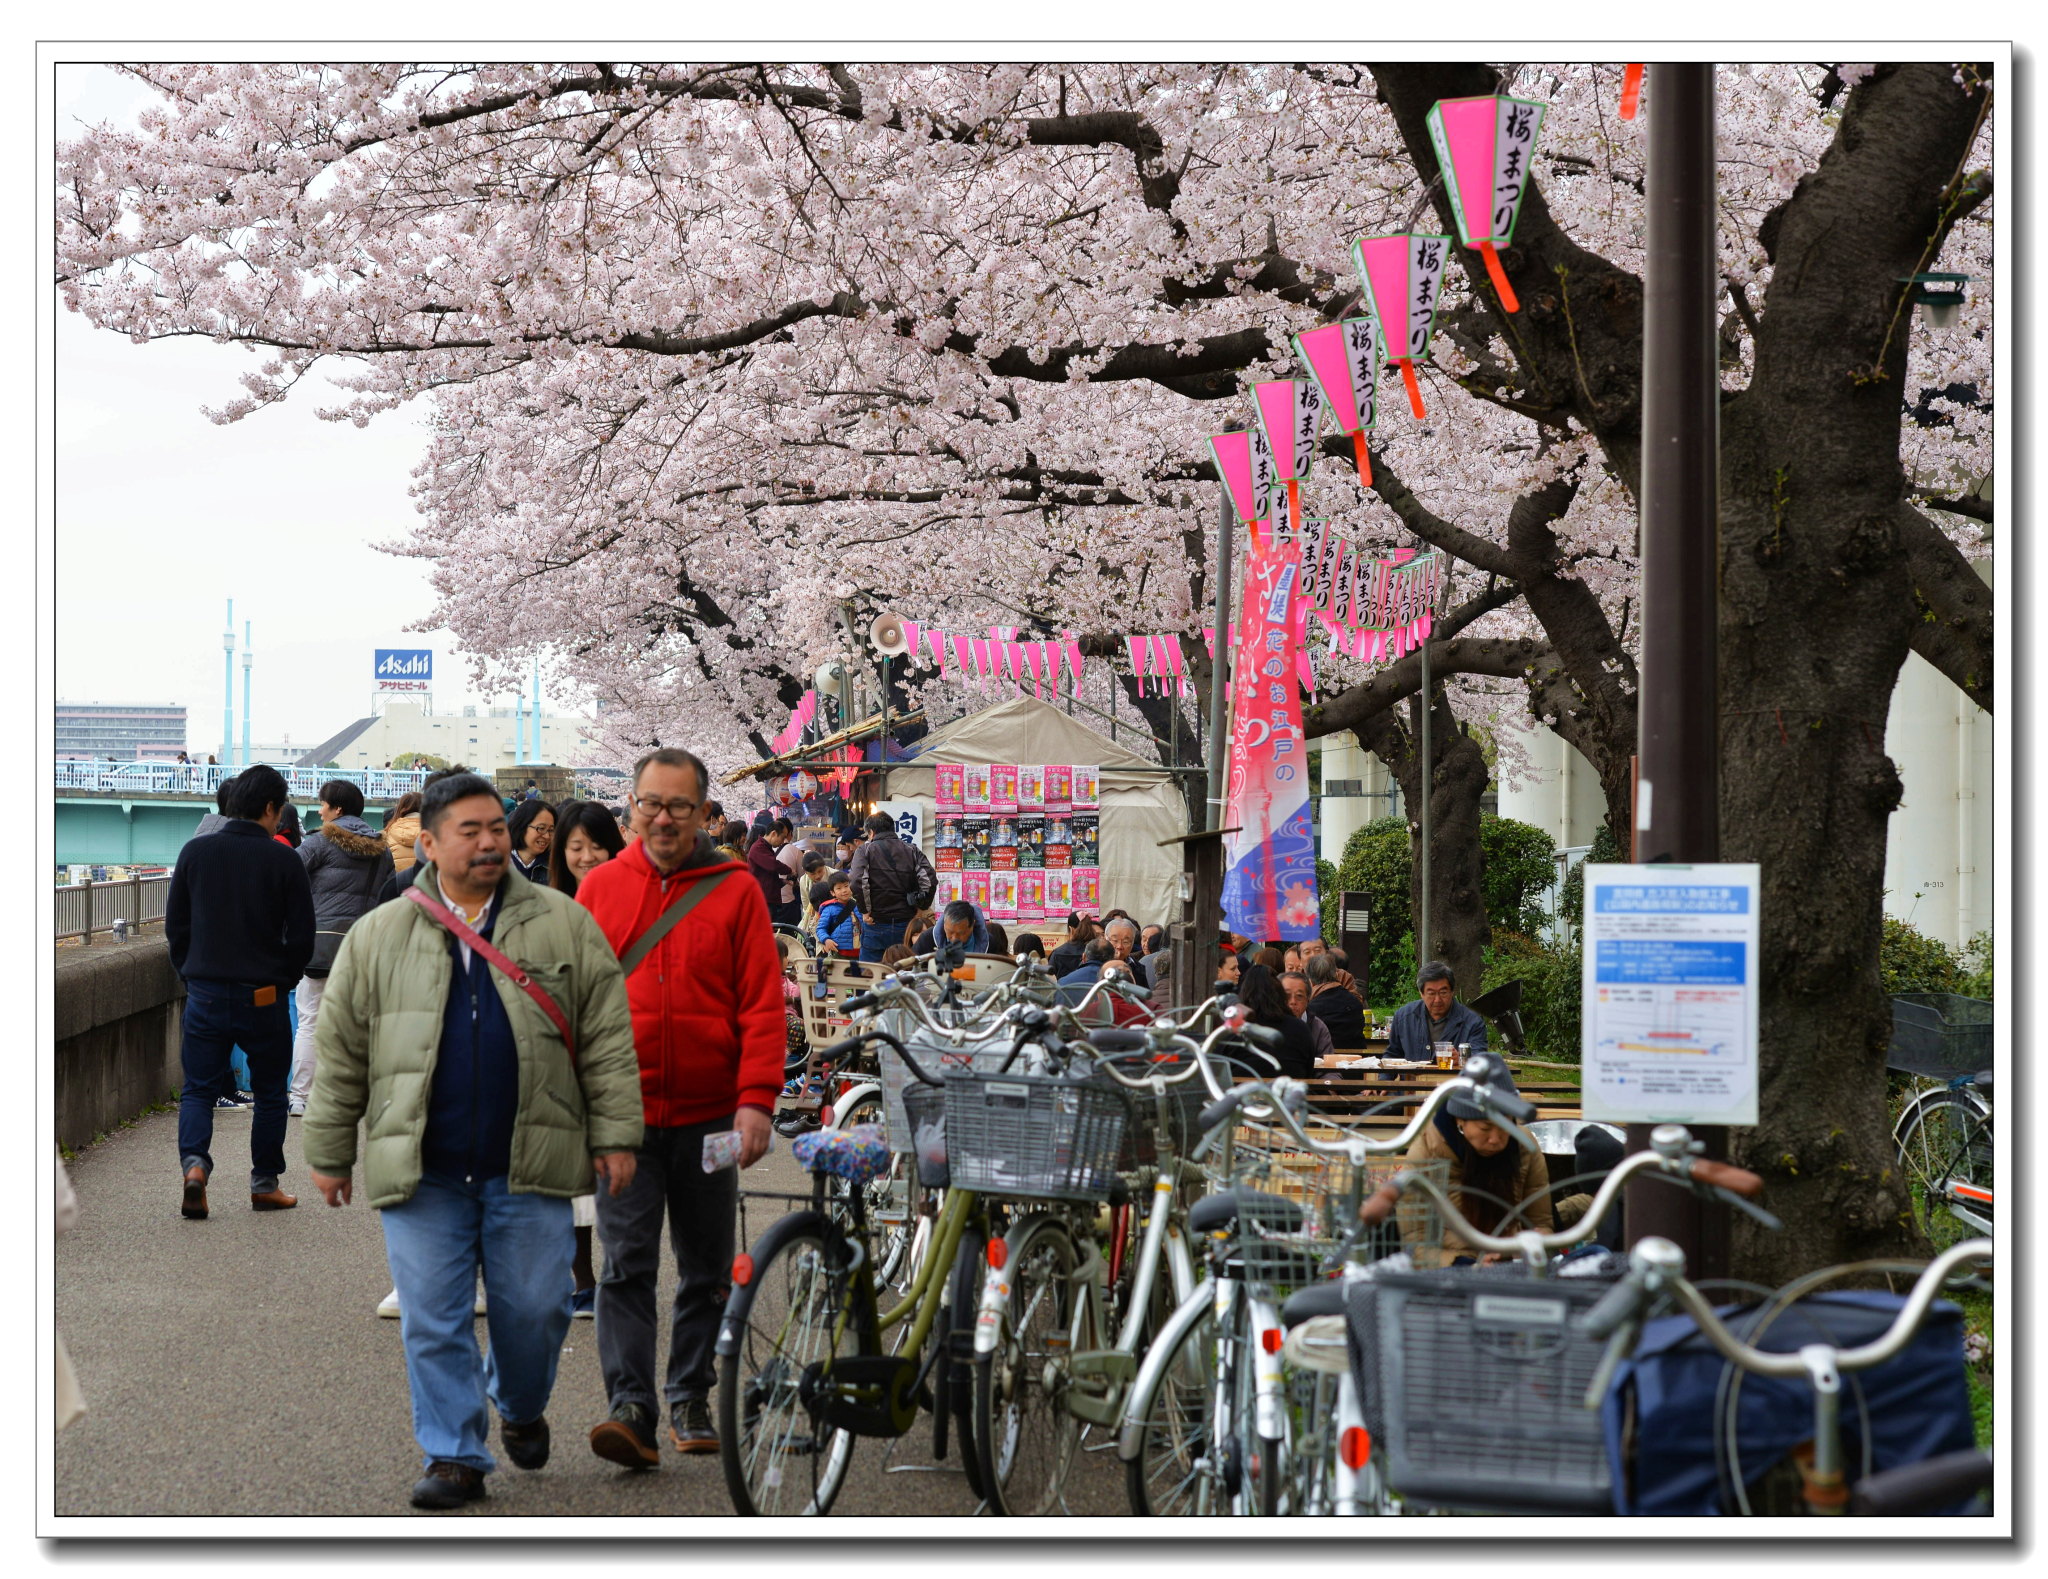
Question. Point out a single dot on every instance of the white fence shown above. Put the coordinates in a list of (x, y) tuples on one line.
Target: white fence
[(177, 778), (86, 908)]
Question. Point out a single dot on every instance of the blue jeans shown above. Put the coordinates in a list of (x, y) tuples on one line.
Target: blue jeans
[(219, 1016), (435, 1243), (882, 935)]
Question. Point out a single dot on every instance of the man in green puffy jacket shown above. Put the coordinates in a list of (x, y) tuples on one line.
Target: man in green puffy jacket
[(480, 1124)]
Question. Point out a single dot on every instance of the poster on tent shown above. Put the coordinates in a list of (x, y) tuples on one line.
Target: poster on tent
[(1002, 789), (1059, 789), (1086, 826), (1059, 840), (1030, 788), (974, 889), (948, 788), (1002, 842), (1087, 782), (1030, 894), (946, 843), (1269, 882), (1002, 895), (1088, 890), (974, 842), (948, 889), (1031, 841), (974, 794), (1059, 891)]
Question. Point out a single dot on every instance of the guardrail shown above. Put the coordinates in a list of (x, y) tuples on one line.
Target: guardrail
[(177, 778), (89, 907)]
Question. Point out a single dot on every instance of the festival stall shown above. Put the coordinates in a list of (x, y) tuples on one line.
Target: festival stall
[(1135, 805)]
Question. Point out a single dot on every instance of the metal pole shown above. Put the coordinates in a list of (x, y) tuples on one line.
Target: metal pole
[(536, 709), (248, 660), (1422, 954), (227, 708), (1678, 801), (1219, 671)]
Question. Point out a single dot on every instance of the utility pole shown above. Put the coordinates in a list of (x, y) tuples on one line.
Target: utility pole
[(1678, 791), (536, 708), (1422, 954)]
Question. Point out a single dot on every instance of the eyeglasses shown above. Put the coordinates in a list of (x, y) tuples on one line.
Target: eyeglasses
[(654, 807)]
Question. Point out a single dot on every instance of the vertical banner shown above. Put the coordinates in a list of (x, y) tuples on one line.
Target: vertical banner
[(1059, 789), (946, 843), (1269, 883)]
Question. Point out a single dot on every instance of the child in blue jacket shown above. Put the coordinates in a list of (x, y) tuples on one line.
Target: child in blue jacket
[(838, 921)]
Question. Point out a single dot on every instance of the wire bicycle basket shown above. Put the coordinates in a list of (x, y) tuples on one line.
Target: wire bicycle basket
[(1037, 1136), (1939, 1035)]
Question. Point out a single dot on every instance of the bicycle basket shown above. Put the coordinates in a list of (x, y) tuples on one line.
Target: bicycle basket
[(1473, 1379), (934, 1055), (1033, 1135), (1938, 1035), (925, 1108), (1300, 1207), (1169, 1117)]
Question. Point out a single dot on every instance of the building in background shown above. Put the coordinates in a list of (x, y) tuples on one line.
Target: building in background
[(480, 738), (125, 731)]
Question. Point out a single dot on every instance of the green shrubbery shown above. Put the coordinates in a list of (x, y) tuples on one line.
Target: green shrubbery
[(1910, 961), (1550, 991)]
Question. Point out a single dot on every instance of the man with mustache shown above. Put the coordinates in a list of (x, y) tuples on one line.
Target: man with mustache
[(491, 1094)]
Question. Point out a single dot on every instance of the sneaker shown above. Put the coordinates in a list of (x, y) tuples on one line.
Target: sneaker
[(226, 1102), (296, 1110), (690, 1428), (790, 1125), (627, 1438), (526, 1445), (583, 1304), (387, 1307), (447, 1484), (793, 1089)]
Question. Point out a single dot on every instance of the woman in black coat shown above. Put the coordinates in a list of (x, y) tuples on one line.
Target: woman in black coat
[(1260, 992), (531, 828)]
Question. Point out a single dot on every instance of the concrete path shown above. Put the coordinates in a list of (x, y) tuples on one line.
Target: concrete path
[(236, 1366)]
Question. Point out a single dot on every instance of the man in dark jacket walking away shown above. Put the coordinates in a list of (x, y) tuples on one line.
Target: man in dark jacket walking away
[(778, 883), (239, 920), (708, 1025), (347, 861), (892, 881)]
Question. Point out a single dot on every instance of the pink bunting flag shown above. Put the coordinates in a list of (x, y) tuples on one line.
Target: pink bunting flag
[(1033, 656), (1175, 664), (1049, 658), (910, 629), (1016, 651), (984, 661), (1073, 655), (1139, 651), (963, 653), (936, 640), (1232, 458)]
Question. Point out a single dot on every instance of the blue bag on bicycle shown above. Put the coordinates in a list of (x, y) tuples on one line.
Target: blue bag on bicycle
[(1661, 1417)]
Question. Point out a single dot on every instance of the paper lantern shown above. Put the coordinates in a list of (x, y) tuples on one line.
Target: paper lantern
[(1290, 414), (1231, 455), (778, 790), (1344, 360), (1483, 146), (1402, 278), (802, 785)]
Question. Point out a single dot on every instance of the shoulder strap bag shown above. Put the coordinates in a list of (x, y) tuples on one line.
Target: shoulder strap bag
[(499, 962), (664, 923)]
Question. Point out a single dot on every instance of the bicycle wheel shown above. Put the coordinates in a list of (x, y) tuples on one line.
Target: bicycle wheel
[(1944, 1137), (970, 1271), (1174, 1472), (791, 1315), (1022, 1429)]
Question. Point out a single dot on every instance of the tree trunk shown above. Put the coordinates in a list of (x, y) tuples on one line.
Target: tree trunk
[(1817, 614), (1458, 928)]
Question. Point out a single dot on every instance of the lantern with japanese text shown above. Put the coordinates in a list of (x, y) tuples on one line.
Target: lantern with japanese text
[(1344, 359), (1402, 277), (1483, 146), (1290, 414), (1231, 455)]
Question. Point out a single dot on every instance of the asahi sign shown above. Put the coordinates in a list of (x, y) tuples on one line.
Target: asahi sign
[(405, 668)]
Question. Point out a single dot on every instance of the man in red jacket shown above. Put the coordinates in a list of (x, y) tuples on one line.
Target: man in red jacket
[(708, 1026)]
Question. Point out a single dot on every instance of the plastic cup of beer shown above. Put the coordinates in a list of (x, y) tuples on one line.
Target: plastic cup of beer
[(1446, 1054)]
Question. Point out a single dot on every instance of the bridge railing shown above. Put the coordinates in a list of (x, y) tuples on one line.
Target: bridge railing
[(89, 907), (177, 778)]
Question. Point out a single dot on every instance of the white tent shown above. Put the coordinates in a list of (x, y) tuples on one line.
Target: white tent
[(1139, 808)]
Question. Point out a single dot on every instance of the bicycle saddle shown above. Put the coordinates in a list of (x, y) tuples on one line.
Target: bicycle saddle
[(1320, 1299), (1982, 1081), (1214, 1213)]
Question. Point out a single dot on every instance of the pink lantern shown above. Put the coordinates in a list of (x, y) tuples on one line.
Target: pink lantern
[(1231, 455), (1483, 146), (1401, 277), (1290, 413), (1344, 359)]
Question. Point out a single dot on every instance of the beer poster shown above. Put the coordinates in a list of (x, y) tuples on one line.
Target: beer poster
[(1059, 789), (1002, 789), (974, 889), (1030, 894), (946, 842), (1002, 842), (948, 889), (1059, 892), (1087, 832), (948, 787), (1030, 787), (1059, 841), (975, 787), (1031, 842), (1088, 890), (1087, 784), (1002, 896), (974, 840)]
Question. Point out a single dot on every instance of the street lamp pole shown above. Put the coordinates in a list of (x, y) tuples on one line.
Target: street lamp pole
[(1678, 795), (1219, 671)]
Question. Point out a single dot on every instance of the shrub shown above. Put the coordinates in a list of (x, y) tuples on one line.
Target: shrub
[(1572, 904), (1550, 991), (1910, 961), (1520, 862), (1976, 967)]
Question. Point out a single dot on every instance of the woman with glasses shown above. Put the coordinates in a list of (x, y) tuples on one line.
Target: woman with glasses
[(531, 828)]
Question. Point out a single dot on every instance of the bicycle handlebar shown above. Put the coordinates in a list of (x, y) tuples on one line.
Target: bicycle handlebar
[(1921, 1487)]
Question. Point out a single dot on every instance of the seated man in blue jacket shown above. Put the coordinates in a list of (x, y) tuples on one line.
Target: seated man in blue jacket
[(1437, 1016)]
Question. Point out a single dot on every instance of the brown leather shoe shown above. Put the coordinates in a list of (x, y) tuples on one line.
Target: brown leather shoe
[(194, 1203), (273, 1201), (447, 1485)]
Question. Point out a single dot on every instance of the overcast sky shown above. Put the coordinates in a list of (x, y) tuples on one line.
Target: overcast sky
[(163, 516)]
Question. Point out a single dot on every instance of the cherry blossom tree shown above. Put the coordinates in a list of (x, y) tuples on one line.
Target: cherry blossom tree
[(722, 358)]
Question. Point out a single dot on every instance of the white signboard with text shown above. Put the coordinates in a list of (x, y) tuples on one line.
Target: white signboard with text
[(1670, 994), (909, 815)]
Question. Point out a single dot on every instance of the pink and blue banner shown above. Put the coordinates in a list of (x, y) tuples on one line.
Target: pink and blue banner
[(1269, 879)]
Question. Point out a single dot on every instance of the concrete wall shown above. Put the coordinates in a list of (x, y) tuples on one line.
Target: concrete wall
[(1343, 815), (1562, 796), (485, 743), (119, 1012)]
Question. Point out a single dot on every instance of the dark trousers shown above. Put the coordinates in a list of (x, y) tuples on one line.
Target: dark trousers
[(219, 1016), (668, 1176), (787, 915)]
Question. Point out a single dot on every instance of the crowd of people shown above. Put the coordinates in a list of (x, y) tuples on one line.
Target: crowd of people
[(518, 1025)]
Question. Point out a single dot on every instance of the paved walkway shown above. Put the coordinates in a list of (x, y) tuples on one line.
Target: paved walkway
[(236, 1366)]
